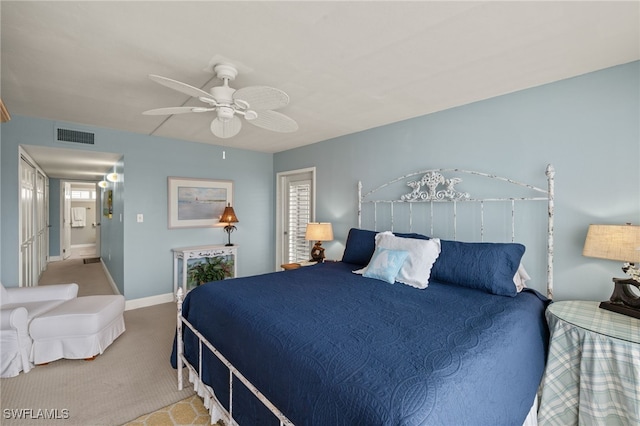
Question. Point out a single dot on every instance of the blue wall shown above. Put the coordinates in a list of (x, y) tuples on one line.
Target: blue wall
[(138, 255), (587, 127)]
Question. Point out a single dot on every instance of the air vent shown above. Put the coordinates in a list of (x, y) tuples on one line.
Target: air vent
[(75, 136)]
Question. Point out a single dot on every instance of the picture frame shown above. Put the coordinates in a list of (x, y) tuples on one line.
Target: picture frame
[(107, 203), (197, 203)]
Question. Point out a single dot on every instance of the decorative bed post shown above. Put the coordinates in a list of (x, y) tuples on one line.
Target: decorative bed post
[(550, 172), (179, 341)]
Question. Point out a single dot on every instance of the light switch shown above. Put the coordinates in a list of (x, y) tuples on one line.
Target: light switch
[(140, 218)]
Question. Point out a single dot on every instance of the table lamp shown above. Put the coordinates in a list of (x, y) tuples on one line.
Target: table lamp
[(318, 232), (229, 217), (618, 242)]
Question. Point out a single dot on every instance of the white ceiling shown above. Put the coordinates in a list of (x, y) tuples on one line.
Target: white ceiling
[(347, 66)]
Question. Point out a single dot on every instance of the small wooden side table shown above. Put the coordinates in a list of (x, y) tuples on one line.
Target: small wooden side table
[(290, 266)]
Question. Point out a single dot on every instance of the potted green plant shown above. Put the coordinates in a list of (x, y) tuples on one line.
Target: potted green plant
[(209, 269)]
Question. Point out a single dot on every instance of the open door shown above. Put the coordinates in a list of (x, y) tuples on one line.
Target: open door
[(97, 219), (295, 208), (66, 221)]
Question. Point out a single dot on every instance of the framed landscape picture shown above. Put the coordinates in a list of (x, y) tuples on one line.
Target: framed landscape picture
[(197, 203)]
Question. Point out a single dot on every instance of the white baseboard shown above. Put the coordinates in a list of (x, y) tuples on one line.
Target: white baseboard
[(114, 287), (82, 245), (144, 302)]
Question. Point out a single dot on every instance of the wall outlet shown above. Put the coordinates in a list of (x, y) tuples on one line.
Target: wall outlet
[(140, 218)]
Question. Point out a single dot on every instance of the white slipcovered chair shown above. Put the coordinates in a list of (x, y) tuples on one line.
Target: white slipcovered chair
[(18, 307)]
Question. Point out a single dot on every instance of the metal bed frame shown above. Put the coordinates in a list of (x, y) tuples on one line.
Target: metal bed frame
[(431, 187)]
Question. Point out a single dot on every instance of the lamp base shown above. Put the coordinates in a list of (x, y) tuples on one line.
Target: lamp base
[(621, 309), (317, 252), (229, 229), (624, 300)]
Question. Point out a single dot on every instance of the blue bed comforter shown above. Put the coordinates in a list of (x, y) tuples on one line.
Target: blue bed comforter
[(329, 347)]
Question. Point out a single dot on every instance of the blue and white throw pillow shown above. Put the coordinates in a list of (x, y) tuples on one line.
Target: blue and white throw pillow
[(385, 264)]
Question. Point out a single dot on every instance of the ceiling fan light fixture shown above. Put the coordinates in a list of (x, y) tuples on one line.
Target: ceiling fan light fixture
[(229, 104), (226, 129), (225, 113)]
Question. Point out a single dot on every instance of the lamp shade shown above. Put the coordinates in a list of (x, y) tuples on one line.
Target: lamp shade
[(614, 242), (229, 216), (319, 231)]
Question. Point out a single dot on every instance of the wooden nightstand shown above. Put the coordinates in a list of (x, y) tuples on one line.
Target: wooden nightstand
[(593, 367), (290, 266)]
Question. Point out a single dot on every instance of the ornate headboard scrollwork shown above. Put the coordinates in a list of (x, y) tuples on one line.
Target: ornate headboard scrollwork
[(437, 186), (432, 180)]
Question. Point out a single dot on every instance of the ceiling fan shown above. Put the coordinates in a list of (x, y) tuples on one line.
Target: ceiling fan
[(255, 103)]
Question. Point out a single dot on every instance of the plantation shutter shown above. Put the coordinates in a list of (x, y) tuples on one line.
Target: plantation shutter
[(299, 214)]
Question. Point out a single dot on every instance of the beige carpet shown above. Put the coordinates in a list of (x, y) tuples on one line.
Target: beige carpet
[(132, 378), (90, 277)]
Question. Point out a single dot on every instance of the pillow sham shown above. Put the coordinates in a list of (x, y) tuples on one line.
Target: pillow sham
[(520, 278), (490, 267), (361, 243), (385, 264), (359, 247), (417, 266)]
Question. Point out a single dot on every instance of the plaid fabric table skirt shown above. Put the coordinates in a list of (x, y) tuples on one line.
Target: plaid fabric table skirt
[(591, 378)]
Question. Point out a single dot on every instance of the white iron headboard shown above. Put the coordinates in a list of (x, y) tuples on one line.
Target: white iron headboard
[(430, 187)]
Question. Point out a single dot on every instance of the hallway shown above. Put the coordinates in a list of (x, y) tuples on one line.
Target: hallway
[(90, 277)]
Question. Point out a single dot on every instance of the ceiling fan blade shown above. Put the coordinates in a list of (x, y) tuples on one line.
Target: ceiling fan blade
[(175, 110), (262, 97), (273, 120), (180, 87), (226, 129)]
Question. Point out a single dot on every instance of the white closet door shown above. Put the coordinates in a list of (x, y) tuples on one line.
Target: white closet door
[(41, 222), (28, 264)]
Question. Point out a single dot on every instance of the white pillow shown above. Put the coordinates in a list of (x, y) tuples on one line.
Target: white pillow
[(416, 269), (520, 278)]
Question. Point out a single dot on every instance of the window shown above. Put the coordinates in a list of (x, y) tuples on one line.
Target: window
[(83, 194), (299, 212)]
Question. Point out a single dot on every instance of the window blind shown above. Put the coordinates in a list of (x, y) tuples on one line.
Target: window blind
[(299, 209)]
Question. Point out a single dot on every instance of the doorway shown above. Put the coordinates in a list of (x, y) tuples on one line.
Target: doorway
[(295, 195), (80, 220)]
